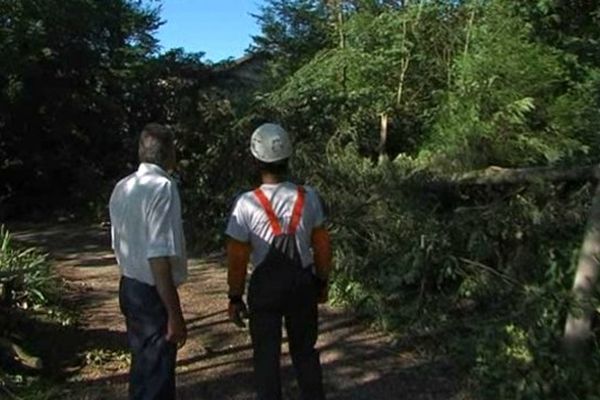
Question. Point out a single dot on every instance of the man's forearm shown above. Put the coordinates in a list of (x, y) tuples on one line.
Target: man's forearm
[(238, 254), (321, 243), (161, 268), (170, 298)]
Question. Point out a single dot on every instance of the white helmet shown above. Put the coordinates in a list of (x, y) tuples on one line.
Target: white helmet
[(270, 143)]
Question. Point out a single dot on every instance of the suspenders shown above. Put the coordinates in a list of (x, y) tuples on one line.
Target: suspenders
[(273, 220)]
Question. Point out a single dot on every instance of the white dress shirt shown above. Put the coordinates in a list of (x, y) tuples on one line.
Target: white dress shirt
[(145, 216)]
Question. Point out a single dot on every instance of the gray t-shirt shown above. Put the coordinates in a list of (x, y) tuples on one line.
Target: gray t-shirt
[(249, 223)]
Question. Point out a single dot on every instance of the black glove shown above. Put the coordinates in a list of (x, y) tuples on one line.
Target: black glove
[(237, 311)]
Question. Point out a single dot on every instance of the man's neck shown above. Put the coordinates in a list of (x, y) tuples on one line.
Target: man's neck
[(270, 179)]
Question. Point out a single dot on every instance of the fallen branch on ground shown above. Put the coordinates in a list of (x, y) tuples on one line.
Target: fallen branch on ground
[(13, 352), (501, 176)]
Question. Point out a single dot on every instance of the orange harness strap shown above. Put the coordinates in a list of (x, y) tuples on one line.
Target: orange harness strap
[(273, 220), (260, 195), (297, 213)]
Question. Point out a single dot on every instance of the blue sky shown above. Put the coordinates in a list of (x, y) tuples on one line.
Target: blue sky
[(220, 28)]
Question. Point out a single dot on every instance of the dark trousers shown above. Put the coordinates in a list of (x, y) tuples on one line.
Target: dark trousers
[(152, 373), (290, 294)]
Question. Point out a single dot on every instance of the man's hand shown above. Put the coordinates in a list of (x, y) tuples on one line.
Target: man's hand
[(238, 254), (176, 331), (238, 312)]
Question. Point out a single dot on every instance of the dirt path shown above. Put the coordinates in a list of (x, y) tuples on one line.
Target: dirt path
[(358, 362)]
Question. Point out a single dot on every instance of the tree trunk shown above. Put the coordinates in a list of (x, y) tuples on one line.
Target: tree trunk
[(578, 328), (383, 134), (503, 176), (336, 9)]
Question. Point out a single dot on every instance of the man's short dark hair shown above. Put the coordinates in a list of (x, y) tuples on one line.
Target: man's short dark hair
[(278, 168), (156, 144)]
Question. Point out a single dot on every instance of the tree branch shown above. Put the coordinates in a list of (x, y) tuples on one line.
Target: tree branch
[(501, 176)]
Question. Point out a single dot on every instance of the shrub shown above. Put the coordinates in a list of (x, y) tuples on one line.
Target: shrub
[(27, 273)]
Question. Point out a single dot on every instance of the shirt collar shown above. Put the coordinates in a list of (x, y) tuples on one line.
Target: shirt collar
[(269, 185), (148, 168)]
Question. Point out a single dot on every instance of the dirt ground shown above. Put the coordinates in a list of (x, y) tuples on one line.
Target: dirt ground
[(91, 357)]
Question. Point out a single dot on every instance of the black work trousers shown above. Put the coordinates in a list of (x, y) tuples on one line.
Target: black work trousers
[(152, 372), (289, 294)]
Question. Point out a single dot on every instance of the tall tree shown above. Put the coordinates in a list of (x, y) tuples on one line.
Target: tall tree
[(571, 25), (67, 95), (388, 65), (292, 32)]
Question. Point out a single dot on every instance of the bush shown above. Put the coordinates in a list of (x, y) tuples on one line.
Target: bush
[(483, 271), (27, 282), (26, 272)]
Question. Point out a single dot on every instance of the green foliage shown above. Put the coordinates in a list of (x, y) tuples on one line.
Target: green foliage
[(70, 95), (392, 62), (99, 357), (504, 109), (29, 272), (214, 154), (292, 32), (484, 271), (487, 265), (20, 387), (571, 25), (28, 283)]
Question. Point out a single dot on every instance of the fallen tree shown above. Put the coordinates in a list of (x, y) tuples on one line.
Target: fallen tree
[(510, 176), (578, 326)]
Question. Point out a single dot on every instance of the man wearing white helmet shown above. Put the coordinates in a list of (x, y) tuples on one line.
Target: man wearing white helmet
[(279, 227)]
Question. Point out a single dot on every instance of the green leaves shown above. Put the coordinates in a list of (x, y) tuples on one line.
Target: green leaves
[(292, 32), (71, 80), (505, 105), (26, 272)]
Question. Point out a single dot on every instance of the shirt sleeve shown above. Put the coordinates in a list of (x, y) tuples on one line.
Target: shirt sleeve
[(113, 238), (319, 216), (237, 226), (113, 230), (162, 224)]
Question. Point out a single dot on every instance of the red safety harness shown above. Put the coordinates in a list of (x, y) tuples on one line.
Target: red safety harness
[(283, 249), (273, 220)]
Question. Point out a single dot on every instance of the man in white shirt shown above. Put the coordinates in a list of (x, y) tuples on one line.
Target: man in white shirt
[(147, 237), (280, 226)]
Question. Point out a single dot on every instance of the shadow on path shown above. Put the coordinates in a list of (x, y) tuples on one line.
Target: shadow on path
[(358, 362)]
